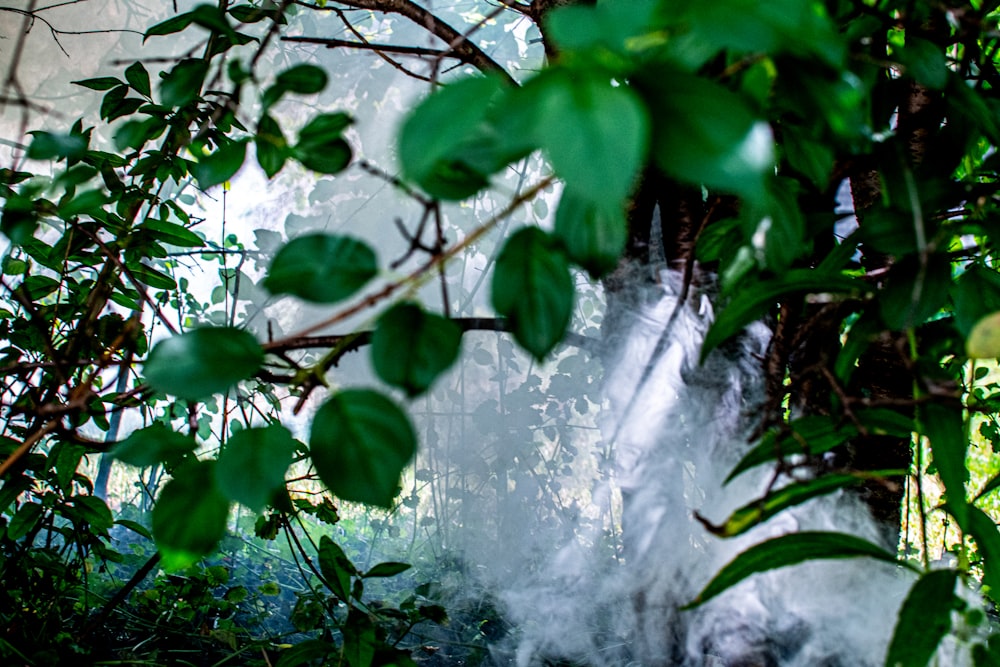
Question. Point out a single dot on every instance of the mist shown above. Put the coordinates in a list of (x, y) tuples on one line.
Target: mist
[(674, 429)]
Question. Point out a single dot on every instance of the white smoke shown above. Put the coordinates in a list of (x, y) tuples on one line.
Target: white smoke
[(678, 429)]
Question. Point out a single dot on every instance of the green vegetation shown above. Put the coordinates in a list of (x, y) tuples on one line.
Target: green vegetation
[(739, 121)]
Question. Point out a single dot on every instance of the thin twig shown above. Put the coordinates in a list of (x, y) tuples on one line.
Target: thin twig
[(391, 288)]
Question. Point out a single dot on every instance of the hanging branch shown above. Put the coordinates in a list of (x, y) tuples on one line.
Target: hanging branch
[(463, 49)]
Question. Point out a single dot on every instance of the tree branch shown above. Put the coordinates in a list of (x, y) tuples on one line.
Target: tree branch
[(331, 43), (462, 48)]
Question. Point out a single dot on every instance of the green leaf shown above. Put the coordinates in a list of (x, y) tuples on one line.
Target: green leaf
[(24, 520), (533, 288), (798, 27), (976, 294), (190, 515), (925, 61), (359, 639), (150, 276), (321, 146), (39, 287), (445, 145), (253, 463), (882, 421), (594, 233), (87, 202), (984, 530), (48, 146), (595, 133), (789, 550), (135, 527), (19, 221), (330, 158), (183, 83), (755, 299), (360, 443), (776, 226), (321, 268), (213, 19), (202, 362), (138, 78), (608, 28), (863, 331), (251, 14), (100, 83), (67, 459), (411, 347), (304, 79), (336, 567), (924, 620), (388, 569), (123, 107), (154, 445), (134, 133), (324, 128), (808, 155), (170, 26), (914, 293), (171, 233), (112, 101), (810, 435), (272, 147), (221, 165), (761, 509), (12, 266), (95, 512), (944, 426), (305, 653), (207, 16), (708, 135)]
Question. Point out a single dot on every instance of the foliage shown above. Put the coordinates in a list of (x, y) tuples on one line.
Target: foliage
[(760, 110)]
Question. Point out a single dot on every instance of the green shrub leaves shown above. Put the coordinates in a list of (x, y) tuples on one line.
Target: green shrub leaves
[(924, 620), (220, 165), (360, 443), (447, 146), (156, 444), (789, 550), (321, 147), (252, 465), (533, 288), (203, 362), (322, 268), (189, 517), (432, 345), (593, 232)]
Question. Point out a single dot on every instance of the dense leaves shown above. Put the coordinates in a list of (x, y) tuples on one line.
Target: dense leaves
[(751, 136)]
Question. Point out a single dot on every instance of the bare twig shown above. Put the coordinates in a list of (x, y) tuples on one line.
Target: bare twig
[(391, 288), (464, 49)]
